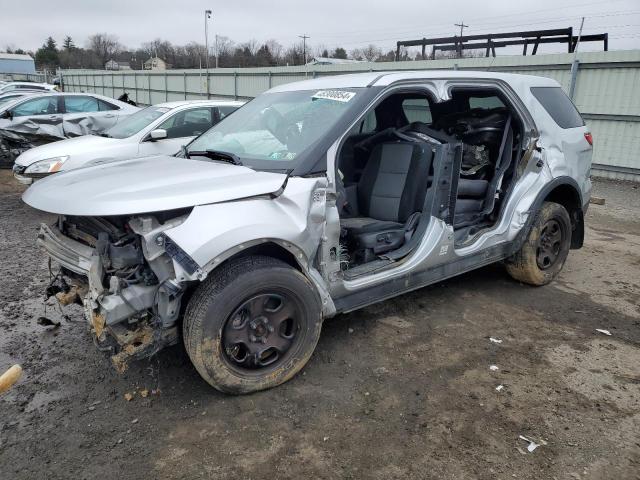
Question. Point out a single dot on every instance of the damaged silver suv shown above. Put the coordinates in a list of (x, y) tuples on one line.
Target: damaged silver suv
[(317, 198)]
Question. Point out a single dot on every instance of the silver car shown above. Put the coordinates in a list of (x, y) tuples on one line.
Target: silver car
[(317, 198), (159, 129)]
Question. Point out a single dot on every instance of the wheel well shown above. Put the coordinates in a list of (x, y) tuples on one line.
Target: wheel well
[(268, 249), (567, 196)]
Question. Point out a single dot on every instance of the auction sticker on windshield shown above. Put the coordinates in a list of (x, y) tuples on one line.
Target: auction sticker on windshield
[(337, 95)]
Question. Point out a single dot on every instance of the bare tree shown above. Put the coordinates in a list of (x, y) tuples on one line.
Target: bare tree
[(370, 53), (105, 46)]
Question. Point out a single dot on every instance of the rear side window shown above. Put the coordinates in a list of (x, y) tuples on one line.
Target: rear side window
[(105, 106), (559, 106), (80, 104)]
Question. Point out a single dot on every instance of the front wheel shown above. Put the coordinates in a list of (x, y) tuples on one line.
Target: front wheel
[(546, 248), (252, 325)]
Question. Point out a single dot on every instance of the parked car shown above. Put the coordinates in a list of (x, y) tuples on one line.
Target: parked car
[(12, 86), (11, 96), (317, 198), (44, 118), (159, 129)]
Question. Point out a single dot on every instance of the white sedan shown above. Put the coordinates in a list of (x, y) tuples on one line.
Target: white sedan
[(159, 129)]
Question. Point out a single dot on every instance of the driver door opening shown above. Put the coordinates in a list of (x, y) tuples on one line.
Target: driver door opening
[(410, 158)]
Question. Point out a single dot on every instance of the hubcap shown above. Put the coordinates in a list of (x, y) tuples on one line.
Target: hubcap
[(549, 244), (261, 331)]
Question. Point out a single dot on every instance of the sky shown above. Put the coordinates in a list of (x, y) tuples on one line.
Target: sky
[(330, 23)]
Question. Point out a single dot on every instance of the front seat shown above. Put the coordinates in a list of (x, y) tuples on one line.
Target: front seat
[(390, 196)]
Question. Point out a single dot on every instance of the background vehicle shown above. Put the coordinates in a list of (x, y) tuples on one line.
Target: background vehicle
[(159, 129), (12, 86), (16, 94), (45, 118), (317, 198)]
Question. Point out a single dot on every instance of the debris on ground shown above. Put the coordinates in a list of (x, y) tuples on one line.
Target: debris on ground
[(493, 368), (597, 200), (10, 377), (532, 445), (47, 322), (495, 340), (604, 332), (129, 396), (144, 393), (499, 388)]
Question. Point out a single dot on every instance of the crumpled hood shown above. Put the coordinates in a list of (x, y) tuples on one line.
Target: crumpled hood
[(71, 146), (149, 184)]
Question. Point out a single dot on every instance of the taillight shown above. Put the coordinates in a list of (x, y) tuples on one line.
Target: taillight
[(589, 138)]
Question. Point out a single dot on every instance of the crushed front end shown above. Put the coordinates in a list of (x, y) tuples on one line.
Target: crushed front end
[(120, 270)]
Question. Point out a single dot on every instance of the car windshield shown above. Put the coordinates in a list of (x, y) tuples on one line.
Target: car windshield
[(136, 122), (275, 128)]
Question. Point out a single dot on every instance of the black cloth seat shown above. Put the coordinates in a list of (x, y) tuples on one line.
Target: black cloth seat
[(391, 190)]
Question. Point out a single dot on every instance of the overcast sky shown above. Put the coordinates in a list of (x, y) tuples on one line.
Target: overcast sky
[(348, 23)]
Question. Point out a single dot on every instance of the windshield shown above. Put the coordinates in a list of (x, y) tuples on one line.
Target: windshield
[(136, 122), (275, 128)]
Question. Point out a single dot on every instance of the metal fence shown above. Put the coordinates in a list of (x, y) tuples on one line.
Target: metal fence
[(606, 90), (26, 77)]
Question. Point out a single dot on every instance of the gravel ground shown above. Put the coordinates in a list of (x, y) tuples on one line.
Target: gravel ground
[(402, 389)]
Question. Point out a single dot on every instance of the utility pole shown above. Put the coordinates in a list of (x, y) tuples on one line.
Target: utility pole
[(207, 16), (217, 54), (575, 64), (304, 46), (462, 27)]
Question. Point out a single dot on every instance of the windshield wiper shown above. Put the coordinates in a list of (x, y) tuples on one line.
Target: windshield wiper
[(216, 155)]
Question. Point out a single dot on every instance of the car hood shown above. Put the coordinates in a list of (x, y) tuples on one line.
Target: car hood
[(72, 146), (149, 184)]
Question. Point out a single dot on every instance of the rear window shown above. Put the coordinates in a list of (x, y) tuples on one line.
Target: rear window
[(559, 106)]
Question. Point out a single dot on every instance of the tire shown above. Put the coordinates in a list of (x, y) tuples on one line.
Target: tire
[(241, 310), (545, 250)]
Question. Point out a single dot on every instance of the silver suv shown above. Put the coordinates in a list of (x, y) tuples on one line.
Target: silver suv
[(314, 199)]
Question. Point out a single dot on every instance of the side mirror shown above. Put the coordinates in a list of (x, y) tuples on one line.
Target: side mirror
[(158, 134), (6, 115)]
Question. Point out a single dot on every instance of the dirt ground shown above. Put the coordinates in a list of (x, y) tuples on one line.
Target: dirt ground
[(402, 389)]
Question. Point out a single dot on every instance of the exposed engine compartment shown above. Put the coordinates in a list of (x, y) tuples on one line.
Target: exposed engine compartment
[(129, 289)]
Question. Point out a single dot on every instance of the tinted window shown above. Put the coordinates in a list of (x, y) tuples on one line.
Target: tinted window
[(559, 106), (224, 111), (30, 87), (188, 123), (417, 110), (79, 104), (37, 106), (106, 106)]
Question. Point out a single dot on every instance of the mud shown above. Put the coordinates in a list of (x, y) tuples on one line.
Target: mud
[(398, 390)]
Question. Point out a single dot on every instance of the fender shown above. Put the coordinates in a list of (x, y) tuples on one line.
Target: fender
[(575, 206)]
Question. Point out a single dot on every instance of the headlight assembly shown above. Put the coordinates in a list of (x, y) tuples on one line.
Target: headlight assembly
[(49, 165)]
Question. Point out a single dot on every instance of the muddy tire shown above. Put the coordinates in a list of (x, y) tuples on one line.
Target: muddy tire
[(252, 325), (545, 250)]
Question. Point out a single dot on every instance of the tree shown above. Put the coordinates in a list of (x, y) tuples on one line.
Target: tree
[(47, 55), (370, 53), (340, 52), (104, 46), (67, 44)]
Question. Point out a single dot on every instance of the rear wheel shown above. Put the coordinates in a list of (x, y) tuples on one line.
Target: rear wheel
[(252, 325), (546, 248)]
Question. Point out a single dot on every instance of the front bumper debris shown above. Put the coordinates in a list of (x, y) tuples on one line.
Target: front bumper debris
[(128, 322)]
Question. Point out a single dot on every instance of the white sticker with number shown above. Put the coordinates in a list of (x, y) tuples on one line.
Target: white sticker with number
[(336, 95)]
